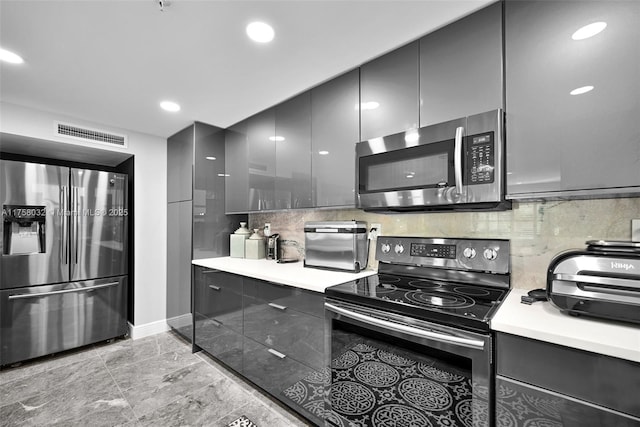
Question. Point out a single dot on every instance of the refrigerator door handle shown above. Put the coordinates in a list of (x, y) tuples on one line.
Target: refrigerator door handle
[(75, 223), (64, 249), (65, 291)]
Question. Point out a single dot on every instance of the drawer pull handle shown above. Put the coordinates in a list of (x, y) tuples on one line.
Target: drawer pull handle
[(210, 271), (278, 306), (277, 353), (64, 291), (215, 288)]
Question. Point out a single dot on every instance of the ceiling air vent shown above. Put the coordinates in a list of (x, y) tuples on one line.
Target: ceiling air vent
[(90, 135)]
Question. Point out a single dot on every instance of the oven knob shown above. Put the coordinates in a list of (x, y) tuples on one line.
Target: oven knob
[(399, 249), (490, 254), (469, 253), (386, 248)]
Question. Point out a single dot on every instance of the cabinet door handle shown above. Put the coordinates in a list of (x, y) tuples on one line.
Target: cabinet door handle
[(457, 159), (277, 353), (278, 306), (215, 288), (210, 271)]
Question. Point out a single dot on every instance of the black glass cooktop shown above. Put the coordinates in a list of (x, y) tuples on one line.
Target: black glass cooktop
[(458, 304)]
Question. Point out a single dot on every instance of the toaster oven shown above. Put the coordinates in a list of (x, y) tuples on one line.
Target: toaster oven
[(601, 281), (336, 245)]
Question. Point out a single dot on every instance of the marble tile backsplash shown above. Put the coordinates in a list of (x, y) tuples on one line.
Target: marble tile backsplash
[(538, 230)]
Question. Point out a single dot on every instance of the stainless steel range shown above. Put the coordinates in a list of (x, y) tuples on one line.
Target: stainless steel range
[(412, 343)]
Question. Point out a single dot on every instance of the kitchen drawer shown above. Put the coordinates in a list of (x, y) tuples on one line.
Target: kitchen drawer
[(518, 403), (299, 335), (298, 299), (272, 370), (222, 279), (219, 341), (40, 320), (220, 303), (595, 378)]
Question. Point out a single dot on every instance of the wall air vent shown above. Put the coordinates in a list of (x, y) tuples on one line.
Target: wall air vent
[(90, 135)]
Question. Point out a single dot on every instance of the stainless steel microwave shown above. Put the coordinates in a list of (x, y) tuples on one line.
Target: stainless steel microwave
[(455, 165)]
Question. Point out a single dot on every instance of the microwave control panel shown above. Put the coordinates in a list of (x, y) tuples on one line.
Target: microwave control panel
[(480, 161)]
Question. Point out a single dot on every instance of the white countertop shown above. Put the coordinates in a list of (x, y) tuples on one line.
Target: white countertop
[(292, 274), (544, 322)]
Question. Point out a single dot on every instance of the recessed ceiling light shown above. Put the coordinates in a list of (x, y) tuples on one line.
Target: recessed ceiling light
[(581, 90), (589, 30), (8, 56), (210, 158), (276, 138), (260, 32), (170, 106), (323, 152)]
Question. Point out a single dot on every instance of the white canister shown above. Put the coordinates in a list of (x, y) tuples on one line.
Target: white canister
[(255, 247), (238, 241)]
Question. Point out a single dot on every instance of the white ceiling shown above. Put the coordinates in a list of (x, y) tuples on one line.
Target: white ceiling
[(112, 62)]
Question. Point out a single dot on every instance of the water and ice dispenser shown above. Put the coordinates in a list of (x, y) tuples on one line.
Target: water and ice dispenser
[(23, 229)]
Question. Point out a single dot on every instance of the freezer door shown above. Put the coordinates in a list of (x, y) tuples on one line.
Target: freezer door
[(40, 320), (34, 221), (98, 224)]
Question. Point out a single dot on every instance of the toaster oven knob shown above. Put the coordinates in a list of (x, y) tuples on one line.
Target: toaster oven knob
[(386, 248), (490, 254), (399, 249), (469, 253)]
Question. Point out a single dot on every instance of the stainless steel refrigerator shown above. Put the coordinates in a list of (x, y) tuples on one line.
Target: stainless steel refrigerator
[(63, 267)]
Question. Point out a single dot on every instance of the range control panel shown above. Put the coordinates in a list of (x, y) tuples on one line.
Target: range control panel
[(460, 254)]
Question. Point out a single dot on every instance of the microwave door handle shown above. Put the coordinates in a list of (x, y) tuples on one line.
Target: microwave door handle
[(457, 159)]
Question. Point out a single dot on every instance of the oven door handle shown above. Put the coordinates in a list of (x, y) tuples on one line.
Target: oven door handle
[(457, 159), (409, 330)]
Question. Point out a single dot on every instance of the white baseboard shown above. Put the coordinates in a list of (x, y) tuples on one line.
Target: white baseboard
[(148, 329), (182, 321)]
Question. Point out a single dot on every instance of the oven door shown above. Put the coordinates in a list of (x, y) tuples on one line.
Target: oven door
[(386, 367)]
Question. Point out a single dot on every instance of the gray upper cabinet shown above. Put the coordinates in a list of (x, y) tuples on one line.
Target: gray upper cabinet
[(292, 147), (211, 227), (461, 68), (262, 160), (389, 93), (562, 143), (237, 169), (179, 165), (335, 130)]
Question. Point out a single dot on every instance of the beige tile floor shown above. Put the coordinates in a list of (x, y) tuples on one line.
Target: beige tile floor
[(155, 381)]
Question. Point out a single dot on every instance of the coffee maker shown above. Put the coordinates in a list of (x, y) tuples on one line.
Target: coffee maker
[(273, 247)]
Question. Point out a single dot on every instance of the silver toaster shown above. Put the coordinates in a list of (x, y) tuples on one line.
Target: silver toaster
[(336, 245)]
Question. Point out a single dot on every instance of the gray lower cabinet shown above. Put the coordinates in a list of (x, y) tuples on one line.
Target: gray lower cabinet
[(271, 334), (572, 105), (218, 315), (546, 384)]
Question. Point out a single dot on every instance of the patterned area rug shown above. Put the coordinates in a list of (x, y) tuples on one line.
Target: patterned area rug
[(375, 387), (242, 422)]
